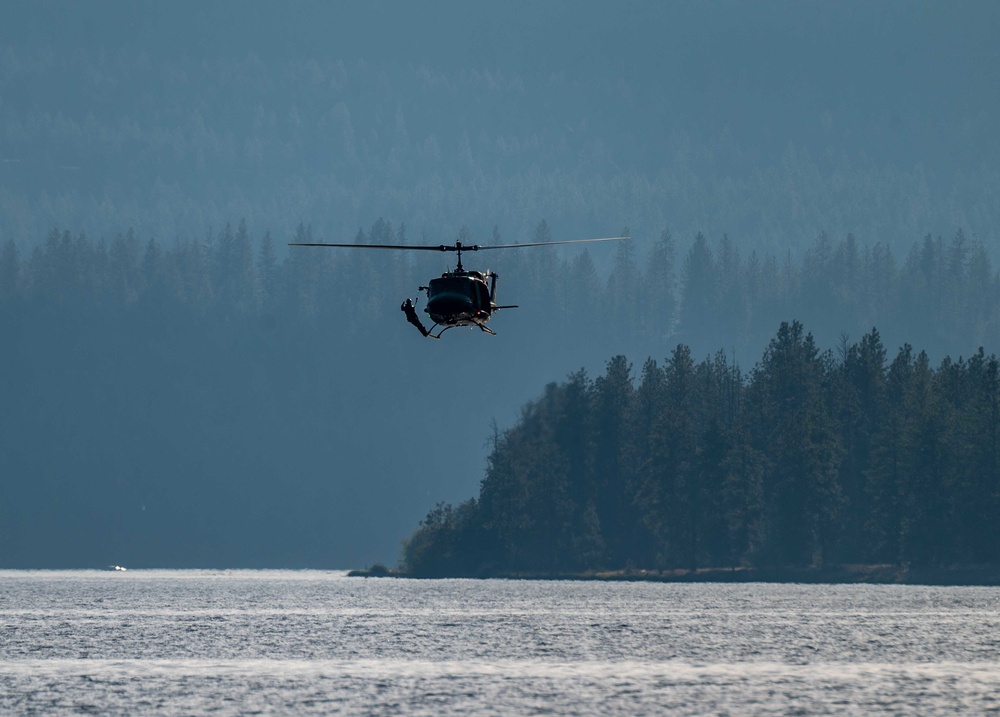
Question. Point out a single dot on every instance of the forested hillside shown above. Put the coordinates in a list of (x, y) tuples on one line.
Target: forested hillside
[(208, 403), (769, 122), (813, 457), (642, 295), (180, 388)]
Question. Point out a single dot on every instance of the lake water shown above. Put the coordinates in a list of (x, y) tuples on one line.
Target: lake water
[(298, 643)]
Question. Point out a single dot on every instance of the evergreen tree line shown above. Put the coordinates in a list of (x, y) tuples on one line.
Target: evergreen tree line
[(247, 392), (943, 294), (812, 458), (92, 132)]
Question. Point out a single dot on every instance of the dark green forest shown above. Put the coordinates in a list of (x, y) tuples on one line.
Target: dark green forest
[(768, 121), (222, 400), (837, 457), (648, 293)]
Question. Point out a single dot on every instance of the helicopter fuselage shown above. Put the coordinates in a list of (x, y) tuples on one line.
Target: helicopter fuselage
[(460, 298)]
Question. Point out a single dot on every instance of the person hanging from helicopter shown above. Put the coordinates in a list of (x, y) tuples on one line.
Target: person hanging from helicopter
[(411, 315)]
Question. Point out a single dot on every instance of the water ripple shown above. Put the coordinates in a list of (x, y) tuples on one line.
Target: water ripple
[(193, 642)]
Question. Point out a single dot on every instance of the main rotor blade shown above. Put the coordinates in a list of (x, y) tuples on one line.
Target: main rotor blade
[(541, 243), (415, 247), (458, 246)]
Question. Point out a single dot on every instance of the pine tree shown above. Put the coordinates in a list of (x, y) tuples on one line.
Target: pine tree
[(859, 396), (794, 430), (244, 278), (885, 487), (700, 301), (541, 270), (719, 398), (969, 390), (581, 543), (267, 271), (658, 299), (677, 436), (10, 270), (924, 473), (623, 294), (613, 501), (732, 302)]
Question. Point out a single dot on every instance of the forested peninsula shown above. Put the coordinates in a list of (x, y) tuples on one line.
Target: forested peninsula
[(812, 459)]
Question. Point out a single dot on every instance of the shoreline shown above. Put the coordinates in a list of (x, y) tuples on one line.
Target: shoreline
[(962, 575)]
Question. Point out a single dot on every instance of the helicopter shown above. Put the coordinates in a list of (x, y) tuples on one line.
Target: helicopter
[(461, 297)]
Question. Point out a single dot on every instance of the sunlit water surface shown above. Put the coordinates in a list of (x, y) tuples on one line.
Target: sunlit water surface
[(273, 642)]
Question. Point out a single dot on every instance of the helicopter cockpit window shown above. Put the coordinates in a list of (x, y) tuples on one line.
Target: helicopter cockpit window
[(484, 295), (448, 285)]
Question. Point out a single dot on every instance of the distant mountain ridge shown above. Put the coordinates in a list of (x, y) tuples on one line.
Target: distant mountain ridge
[(766, 122)]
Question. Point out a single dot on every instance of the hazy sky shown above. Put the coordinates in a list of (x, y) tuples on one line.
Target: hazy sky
[(697, 107)]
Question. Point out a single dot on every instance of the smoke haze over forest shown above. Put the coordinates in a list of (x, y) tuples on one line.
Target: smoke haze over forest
[(769, 122), (181, 389)]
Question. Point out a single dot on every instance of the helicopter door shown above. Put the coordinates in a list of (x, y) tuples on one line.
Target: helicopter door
[(482, 297)]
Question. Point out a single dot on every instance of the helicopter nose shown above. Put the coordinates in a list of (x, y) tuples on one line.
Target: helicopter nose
[(449, 304)]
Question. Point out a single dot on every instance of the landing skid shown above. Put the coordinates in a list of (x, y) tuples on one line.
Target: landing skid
[(482, 327), (408, 308)]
